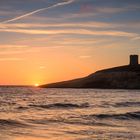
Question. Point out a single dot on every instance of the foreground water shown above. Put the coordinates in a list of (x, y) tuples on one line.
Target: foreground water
[(69, 114)]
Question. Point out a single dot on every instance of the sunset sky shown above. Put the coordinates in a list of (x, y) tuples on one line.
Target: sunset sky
[(43, 41)]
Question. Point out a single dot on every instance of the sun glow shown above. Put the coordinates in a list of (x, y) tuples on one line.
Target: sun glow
[(36, 85)]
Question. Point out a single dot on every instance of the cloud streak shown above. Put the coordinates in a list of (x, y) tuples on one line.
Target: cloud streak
[(38, 10), (11, 59), (73, 31), (77, 24)]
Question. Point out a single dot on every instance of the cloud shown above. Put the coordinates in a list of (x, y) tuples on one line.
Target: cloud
[(136, 38), (38, 10), (42, 67), (90, 24), (73, 31), (113, 10), (85, 56), (11, 59), (6, 50), (61, 41), (13, 46), (77, 28), (94, 10)]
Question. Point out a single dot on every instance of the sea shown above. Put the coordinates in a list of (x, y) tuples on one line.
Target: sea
[(32, 113)]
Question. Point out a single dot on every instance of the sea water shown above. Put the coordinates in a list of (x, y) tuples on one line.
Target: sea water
[(28, 113)]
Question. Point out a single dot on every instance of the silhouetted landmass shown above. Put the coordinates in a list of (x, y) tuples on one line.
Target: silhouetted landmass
[(123, 77)]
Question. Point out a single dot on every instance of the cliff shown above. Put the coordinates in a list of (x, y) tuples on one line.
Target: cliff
[(123, 77)]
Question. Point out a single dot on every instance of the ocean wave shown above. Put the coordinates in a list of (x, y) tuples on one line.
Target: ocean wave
[(12, 123), (61, 105), (127, 104), (75, 121), (125, 116), (22, 108)]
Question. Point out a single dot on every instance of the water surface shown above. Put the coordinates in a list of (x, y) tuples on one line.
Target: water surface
[(69, 114)]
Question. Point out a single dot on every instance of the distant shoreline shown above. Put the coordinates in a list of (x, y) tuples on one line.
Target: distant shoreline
[(123, 77)]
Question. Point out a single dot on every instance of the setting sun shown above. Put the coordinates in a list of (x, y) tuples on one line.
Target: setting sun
[(36, 85)]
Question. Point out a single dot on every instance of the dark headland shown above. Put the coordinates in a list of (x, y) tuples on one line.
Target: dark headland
[(122, 77)]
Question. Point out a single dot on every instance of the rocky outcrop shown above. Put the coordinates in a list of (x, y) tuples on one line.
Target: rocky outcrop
[(124, 77)]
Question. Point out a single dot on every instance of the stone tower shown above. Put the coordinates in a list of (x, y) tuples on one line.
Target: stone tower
[(134, 60)]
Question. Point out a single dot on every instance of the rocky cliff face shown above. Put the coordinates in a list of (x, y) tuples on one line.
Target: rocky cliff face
[(124, 77), (116, 80)]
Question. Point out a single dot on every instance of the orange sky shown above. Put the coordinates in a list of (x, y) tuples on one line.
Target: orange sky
[(65, 40)]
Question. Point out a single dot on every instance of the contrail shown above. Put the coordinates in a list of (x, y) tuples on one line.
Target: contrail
[(39, 10)]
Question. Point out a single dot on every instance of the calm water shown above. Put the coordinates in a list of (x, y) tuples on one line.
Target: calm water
[(69, 114)]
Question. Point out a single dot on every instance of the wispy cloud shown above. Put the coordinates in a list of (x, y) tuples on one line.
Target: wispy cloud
[(11, 59), (42, 67), (85, 56), (136, 38), (13, 46), (38, 10), (73, 31), (113, 10), (6, 50), (90, 24)]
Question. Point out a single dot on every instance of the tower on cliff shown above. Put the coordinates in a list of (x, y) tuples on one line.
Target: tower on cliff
[(134, 60)]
